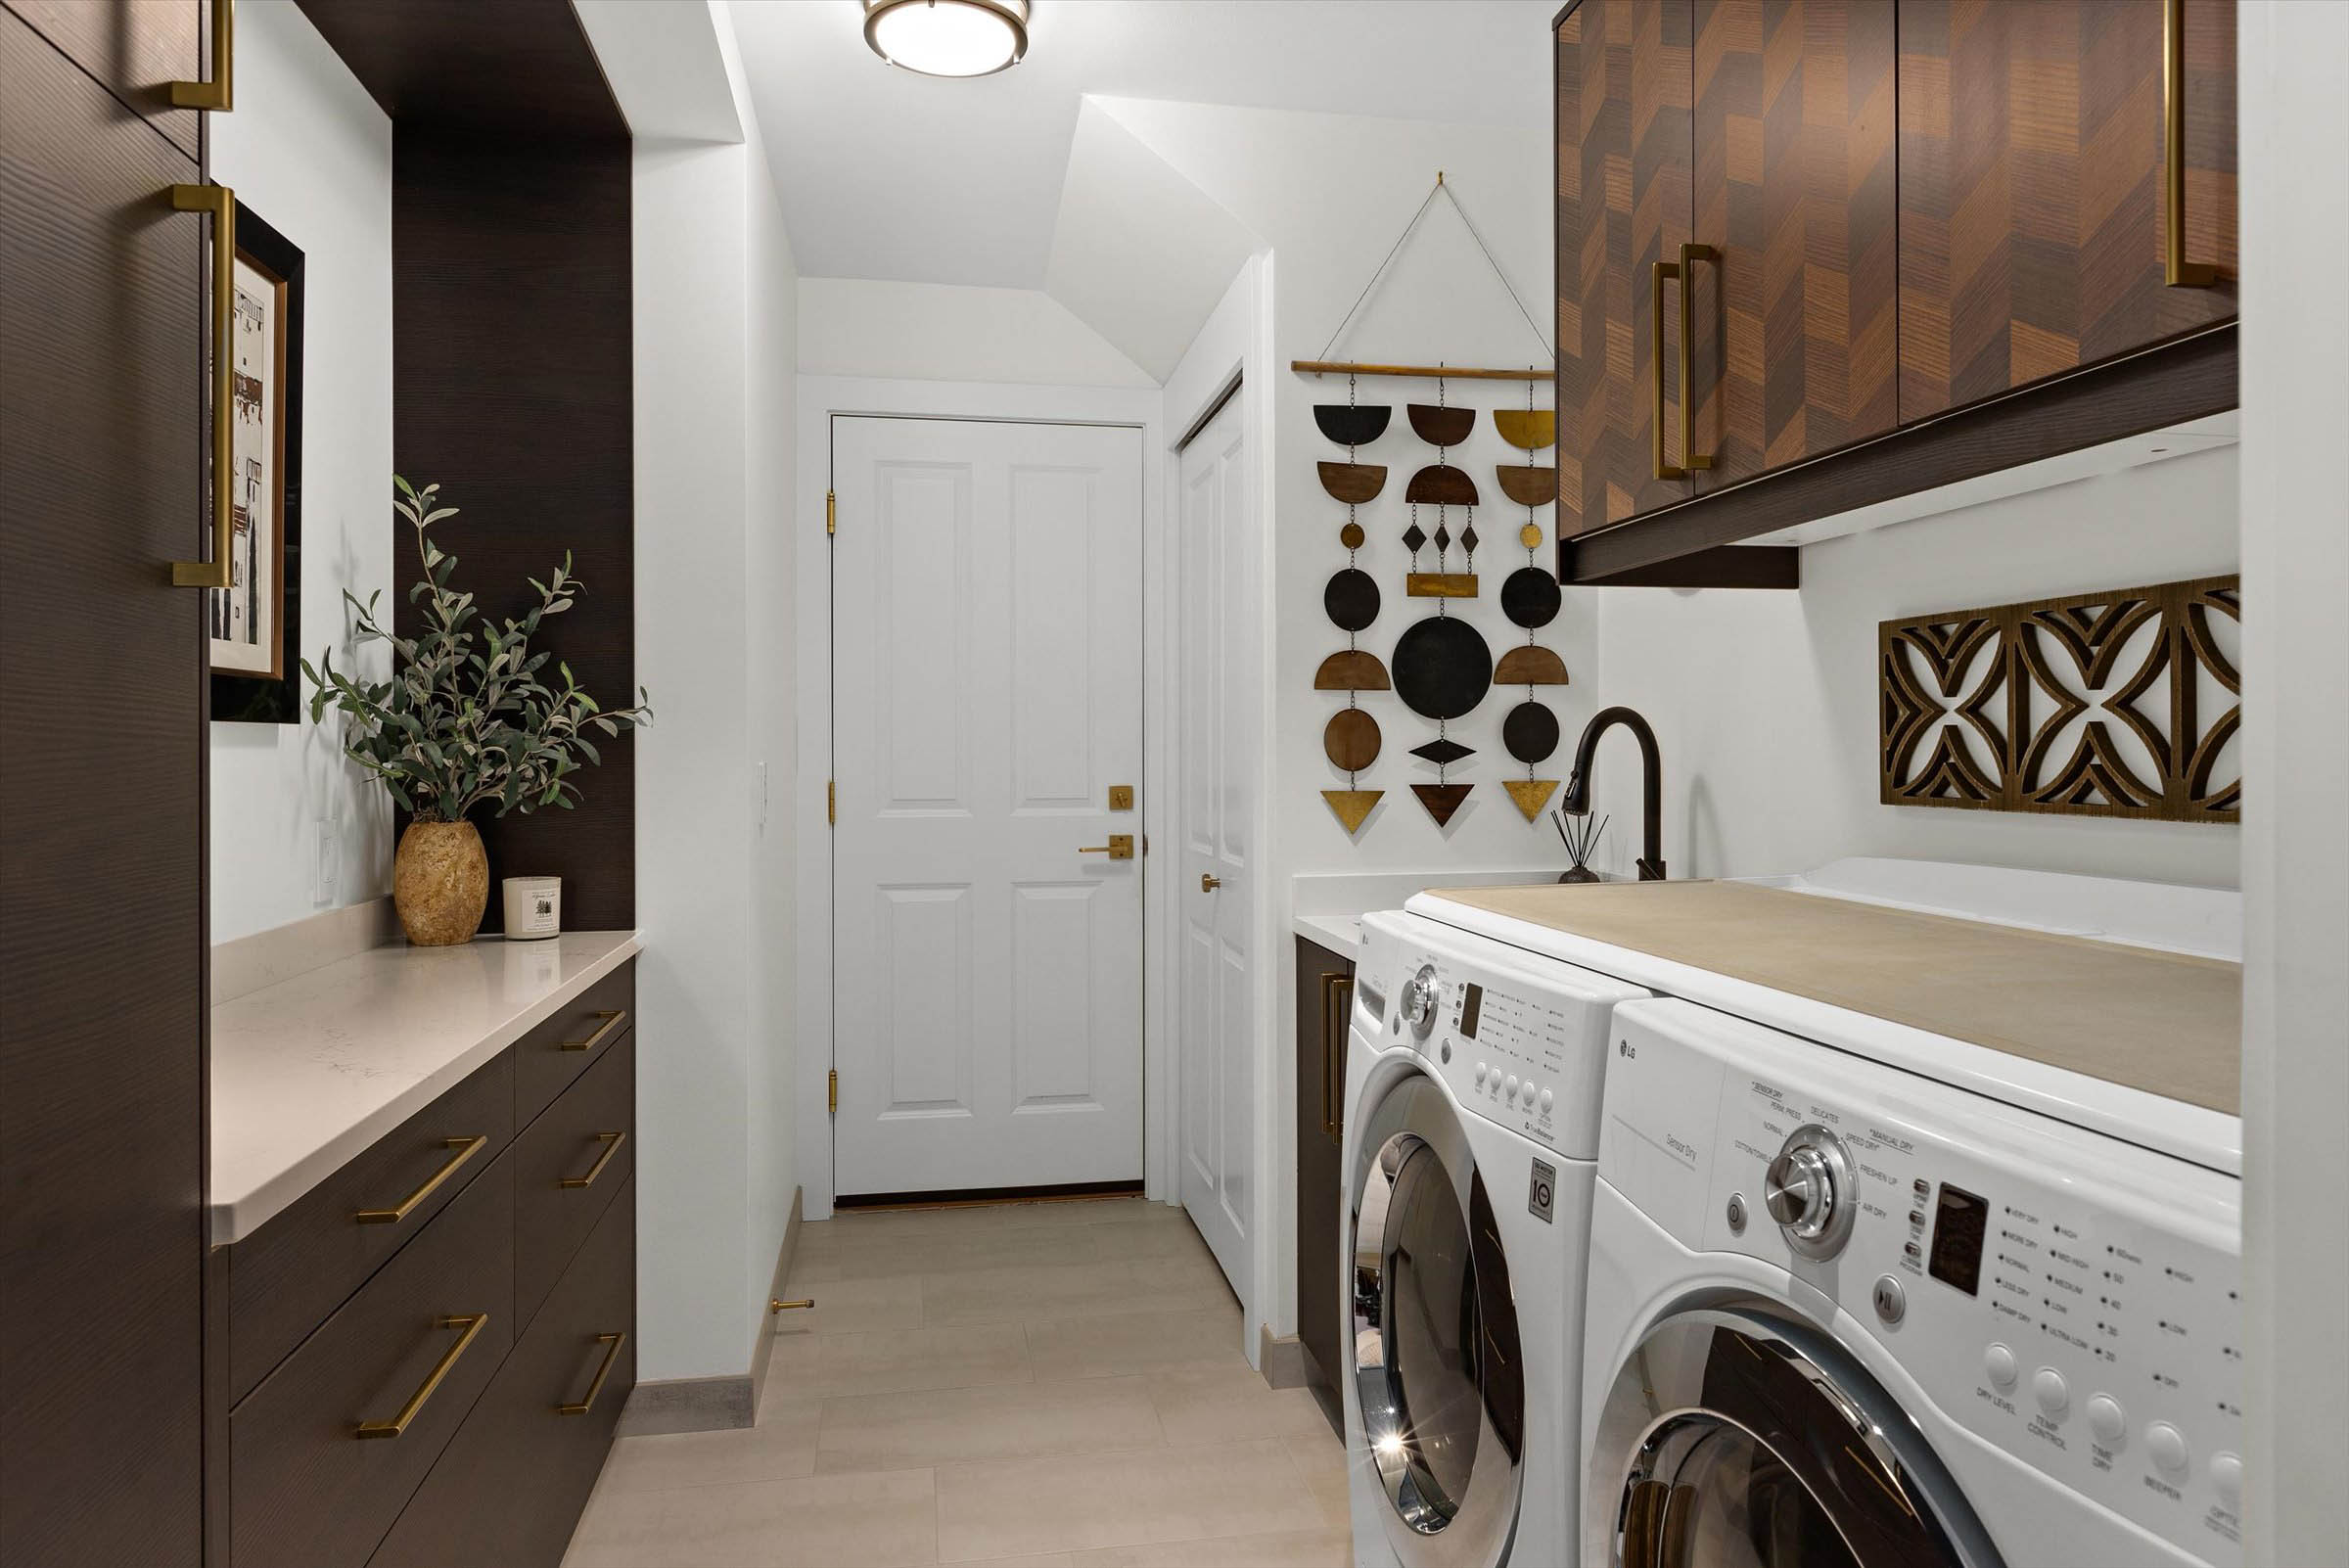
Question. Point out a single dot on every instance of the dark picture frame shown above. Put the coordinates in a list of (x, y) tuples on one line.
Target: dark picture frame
[(276, 698)]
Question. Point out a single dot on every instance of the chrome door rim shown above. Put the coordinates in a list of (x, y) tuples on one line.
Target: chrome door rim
[(1859, 1456), (1413, 1120)]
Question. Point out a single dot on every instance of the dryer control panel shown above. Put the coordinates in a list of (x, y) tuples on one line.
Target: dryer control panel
[(1521, 1038), (2066, 1297)]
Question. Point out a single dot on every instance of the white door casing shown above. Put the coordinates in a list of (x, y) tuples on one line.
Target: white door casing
[(986, 693), (1216, 771)]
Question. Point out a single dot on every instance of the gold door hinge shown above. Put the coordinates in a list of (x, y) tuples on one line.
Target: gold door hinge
[(832, 1100), (831, 804), (831, 512)]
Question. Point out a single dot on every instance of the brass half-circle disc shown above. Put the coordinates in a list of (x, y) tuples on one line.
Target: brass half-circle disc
[(1529, 665), (1527, 487), (1352, 425), (1352, 739), (1441, 484), (1442, 426), (1352, 670), (1354, 483), (1527, 429)]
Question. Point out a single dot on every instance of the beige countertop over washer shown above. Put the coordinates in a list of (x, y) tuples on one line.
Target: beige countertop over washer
[(2168, 1024)]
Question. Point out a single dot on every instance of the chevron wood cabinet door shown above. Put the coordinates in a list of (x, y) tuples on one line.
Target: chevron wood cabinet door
[(1797, 341), (2033, 203), (1623, 205)]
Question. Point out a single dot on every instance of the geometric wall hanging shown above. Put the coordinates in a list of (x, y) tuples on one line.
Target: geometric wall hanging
[(2126, 703)]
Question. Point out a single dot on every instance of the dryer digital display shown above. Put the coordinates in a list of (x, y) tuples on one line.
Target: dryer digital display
[(1472, 1007), (1959, 1220)]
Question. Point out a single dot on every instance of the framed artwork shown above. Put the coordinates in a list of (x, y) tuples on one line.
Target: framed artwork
[(254, 623)]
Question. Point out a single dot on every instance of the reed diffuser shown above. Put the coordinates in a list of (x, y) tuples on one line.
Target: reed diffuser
[(1581, 835)]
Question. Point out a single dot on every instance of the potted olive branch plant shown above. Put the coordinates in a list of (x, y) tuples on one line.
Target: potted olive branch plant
[(468, 720)]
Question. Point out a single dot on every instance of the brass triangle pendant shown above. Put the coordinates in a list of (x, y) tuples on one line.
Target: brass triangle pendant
[(1530, 794), (1352, 805), (1441, 800)]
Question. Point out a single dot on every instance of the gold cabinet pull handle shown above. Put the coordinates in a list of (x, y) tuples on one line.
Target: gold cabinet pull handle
[(466, 1149), (790, 1306), (219, 94), (2176, 272), (1690, 254), (612, 1344), (221, 202), (612, 1020), (473, 1323), (1657, 272), (612, 1142), (1337, 997)]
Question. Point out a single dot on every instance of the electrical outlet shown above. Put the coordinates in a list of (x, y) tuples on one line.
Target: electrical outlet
[(326, 860)]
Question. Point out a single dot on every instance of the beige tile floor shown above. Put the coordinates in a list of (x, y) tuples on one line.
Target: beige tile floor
[(1050, 1385)]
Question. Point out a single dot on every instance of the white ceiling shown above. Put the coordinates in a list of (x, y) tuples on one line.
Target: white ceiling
[(886, 174)]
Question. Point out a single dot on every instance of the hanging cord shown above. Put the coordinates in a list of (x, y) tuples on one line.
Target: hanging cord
[(1445, 191)]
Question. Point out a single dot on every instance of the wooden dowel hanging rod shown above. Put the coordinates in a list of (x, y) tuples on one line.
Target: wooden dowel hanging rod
[(1334, 367)]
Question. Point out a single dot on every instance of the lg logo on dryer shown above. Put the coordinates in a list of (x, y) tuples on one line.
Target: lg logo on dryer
[(1623, 1047)]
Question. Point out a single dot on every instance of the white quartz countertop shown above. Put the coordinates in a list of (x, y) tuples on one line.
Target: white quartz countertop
[(308, 1073), (1339, 933)]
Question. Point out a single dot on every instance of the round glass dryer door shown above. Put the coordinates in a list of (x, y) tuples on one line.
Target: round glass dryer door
[(1738, 1435), (1437, 1364)]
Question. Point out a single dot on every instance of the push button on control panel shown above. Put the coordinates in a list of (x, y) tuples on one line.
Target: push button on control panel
[(2168, 1447), (1998, 1365), (2048, 1388), (1891, 1303), (2227, 1475), (2106, 1419)]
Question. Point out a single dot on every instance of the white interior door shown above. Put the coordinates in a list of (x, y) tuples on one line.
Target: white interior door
[(1217, 769), (987, 695)]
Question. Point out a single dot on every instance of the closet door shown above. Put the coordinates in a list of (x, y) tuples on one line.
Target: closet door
[(1622, 88), (102, 933), (136, 49)]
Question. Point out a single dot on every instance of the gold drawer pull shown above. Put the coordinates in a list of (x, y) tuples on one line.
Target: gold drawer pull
[(2176, 272), (220, 94), (473, 1323), (612, 1142), (466, 1149), (612, 1344), (611, 1021), (221, 202)]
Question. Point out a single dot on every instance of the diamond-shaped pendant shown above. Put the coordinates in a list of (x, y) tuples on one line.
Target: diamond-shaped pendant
[(1443, 538), (1413, 539), (1443, 752), (1468, 538)]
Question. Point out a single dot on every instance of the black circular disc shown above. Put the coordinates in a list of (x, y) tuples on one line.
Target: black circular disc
[(1530, 597), (1530, 732), (1442, 668), (1351, 599)]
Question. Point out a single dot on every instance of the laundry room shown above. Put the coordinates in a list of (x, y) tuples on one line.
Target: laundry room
[(1173, 784)]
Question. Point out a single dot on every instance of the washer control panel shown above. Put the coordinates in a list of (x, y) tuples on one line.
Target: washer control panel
[(2066, 1297), (1520, 1038)]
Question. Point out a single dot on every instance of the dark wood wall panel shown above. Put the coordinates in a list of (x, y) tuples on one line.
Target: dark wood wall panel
[(512, 389), (136, 49), (102, 901), (1797, 345), (2031, 223)]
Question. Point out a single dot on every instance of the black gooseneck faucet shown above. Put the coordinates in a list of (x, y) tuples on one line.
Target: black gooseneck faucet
[(1652, 784)]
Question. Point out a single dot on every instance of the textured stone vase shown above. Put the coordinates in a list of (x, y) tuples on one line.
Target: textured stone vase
[(440, 883)]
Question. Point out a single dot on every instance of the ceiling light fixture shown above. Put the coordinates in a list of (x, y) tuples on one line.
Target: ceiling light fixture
[(949, 37)]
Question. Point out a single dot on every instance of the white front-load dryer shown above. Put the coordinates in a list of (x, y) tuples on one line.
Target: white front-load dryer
[(1473, 1072)]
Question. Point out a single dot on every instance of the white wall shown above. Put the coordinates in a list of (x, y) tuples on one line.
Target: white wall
[(945, 331), (1764, 703), (2295, 340), (310, 153)]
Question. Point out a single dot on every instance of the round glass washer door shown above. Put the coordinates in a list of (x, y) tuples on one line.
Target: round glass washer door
[(1437, 1365), (1739, 1436)]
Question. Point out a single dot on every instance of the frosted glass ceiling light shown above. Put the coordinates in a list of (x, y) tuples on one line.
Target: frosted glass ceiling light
[(949, 37)]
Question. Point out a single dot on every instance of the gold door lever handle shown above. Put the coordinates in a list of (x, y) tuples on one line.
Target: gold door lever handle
[(1208, 883), (1119, 848), (787, 1306)]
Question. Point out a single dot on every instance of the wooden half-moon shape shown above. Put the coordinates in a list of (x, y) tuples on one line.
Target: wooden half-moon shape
[(1529, 666), (1530, 732), (1352, 425), (1529, 429), (1442, 668), (1527, 487), (1530, 794), (1441, 800), (1352, 670), (1351, 741), (1441, 484), (1352, 805), (1442, 426), (1356, 482), (1351, 599)]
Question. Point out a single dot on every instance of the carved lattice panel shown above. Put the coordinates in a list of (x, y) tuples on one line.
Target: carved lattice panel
[(2120, 704)]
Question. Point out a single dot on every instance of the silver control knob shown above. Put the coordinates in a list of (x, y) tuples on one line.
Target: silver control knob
[(1807, 1190), (1420, 996)]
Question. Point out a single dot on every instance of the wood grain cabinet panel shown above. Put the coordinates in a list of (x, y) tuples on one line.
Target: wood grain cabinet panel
[(573, 1040), (136, 49), (1324, 996), (567, 1166), (1797, 341), (2032, 197), (1624, 87), (509, 1489), (306, 1491)]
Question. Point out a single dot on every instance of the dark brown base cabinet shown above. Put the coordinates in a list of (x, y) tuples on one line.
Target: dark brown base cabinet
[(1807, 249), (494, 1323), (1325, 998)]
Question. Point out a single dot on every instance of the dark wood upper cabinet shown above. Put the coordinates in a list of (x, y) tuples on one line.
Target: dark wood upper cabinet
[(1797, 341), (135, 49), (2034, 205)]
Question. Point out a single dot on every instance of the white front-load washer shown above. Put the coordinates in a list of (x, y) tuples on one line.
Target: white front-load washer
[(1843, 1312), (1472, 1090)]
